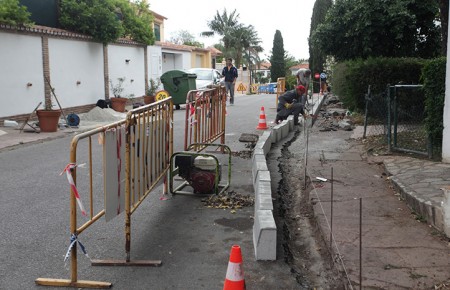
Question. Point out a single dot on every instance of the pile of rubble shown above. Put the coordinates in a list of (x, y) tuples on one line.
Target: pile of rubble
[(231, 200), (334, 117)]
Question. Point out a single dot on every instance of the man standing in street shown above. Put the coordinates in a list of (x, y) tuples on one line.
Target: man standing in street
[(290, 103), (230, 73), (303, 79)]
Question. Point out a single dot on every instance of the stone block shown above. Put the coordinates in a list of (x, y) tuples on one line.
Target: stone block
[(265, 236)]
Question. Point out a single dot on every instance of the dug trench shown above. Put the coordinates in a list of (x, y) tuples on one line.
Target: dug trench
[(301, 241)]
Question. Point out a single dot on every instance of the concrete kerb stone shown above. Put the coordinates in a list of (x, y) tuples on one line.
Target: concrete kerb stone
[(264, 228), (257, 151), (265, 142), (259, 164), (290, 120), (263, 195), (265, 236), (431, 212), (276, 131), (284, 129)]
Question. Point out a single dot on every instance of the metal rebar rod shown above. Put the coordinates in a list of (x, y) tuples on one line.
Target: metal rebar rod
[(331, 215), (360, 243)]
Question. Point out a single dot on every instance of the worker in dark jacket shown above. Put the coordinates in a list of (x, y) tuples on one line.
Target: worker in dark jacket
[(290, 103)]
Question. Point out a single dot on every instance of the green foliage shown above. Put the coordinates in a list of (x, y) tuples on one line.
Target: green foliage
[(434, 87), (93, 17), (12, 13), (277, 61), (316, 56), (291, 82), (373, 28), (107, 20), (351, 78), (153, 86), (186, 38), (136, 21), (118, 88), (237, 38)]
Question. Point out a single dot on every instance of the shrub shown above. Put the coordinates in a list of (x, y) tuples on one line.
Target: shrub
[(107, 20), (351, 78), (434, 87), (12, 13)]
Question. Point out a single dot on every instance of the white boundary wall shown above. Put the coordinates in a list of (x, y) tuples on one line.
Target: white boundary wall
[(133, 71), (73, 61), (20, 64)]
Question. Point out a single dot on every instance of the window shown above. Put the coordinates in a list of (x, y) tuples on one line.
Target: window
[(157, 31)]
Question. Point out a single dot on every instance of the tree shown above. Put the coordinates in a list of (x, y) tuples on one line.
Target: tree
[(186, 38), (92, 17), (277, 68), (316, 56), (364, 28), (443, 12), (136, 20), (12, 13), (107, 20), (224, 24), (245, 39)]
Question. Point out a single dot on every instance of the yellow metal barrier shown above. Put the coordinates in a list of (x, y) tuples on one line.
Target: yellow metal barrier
[(205, 117), (144, 141), (281, 86)]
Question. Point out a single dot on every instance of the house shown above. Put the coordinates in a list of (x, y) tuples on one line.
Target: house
[(264, 69), (294, 69)]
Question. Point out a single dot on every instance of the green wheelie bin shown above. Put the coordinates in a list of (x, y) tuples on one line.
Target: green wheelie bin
[(178, 83)]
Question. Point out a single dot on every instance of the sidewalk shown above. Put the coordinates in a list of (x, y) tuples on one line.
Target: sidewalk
[(399, 249)]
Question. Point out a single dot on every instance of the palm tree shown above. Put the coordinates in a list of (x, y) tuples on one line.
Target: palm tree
[(245, 37), (223, 25), (236, 37)]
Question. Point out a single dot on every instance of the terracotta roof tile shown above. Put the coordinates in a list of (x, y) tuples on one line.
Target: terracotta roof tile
[(299, 66), (57, 32), (214, 51)]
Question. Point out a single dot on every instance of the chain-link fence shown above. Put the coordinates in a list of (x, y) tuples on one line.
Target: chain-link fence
[(396, 118)]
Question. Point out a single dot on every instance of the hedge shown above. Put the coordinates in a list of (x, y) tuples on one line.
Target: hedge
[(433, 78), (351, 78)]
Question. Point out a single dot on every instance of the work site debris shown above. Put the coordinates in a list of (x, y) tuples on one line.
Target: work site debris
[(230, 200), (244, 154)]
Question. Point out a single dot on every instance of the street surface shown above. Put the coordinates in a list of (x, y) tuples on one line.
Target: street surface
[(192, 241)]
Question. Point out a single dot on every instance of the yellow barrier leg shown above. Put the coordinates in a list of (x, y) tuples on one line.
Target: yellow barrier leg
[(76, 284)]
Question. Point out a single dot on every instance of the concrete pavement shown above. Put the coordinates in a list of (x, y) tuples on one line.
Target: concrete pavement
[(402, 248)]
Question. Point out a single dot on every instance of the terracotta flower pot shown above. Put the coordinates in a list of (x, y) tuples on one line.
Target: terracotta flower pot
[(149, 99), (118, 104), (48, 120)]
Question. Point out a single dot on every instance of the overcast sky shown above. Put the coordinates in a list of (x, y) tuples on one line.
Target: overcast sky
[(291, 17)]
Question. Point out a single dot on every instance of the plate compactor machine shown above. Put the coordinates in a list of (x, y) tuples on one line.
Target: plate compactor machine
[(201, 171)]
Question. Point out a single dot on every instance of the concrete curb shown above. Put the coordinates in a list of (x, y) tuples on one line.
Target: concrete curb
[(264, 228), (431, 212)]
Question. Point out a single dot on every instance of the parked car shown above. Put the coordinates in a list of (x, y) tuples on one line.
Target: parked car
[(206, 77)]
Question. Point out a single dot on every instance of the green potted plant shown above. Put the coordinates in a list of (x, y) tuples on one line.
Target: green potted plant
[(119, 101), (48, 118), (151, 91)]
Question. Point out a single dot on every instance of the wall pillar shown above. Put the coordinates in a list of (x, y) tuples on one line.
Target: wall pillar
[(146, 68), (46, 73), (446, 118), (106, 70)]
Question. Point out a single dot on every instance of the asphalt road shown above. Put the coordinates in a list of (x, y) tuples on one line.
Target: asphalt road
[(192, 241)]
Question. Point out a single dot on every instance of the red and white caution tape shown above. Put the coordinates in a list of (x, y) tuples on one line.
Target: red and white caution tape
[(68, 170)]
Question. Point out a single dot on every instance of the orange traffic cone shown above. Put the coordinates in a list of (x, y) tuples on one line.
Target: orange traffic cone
[(262, 125), (235, 274)]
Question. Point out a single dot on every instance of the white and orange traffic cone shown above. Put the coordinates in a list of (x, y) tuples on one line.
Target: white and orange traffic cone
[(262, 125), (235, 273)]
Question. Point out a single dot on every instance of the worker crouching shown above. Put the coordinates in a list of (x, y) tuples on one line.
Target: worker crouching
[(291, 102)]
